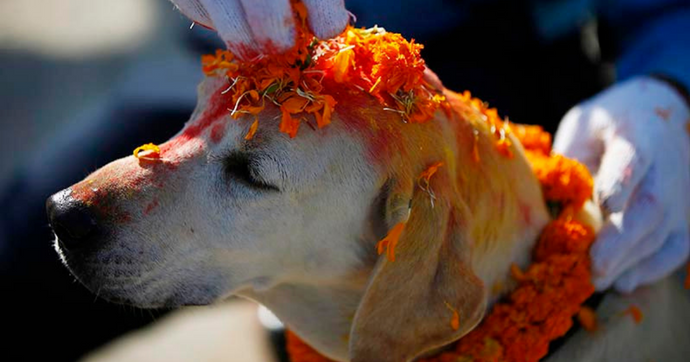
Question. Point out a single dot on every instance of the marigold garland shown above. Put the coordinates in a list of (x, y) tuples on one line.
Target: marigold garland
[(549, 293), (382, 64)]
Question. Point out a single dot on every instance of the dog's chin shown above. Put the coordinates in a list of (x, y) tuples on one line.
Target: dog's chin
[(123, 283)]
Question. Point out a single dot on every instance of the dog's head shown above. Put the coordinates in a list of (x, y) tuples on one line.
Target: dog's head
[(215, 214)]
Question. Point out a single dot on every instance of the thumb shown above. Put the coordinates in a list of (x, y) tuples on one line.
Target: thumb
[(577, 139), (623, 166)]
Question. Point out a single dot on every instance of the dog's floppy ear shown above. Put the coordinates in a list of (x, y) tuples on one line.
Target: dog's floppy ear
[(428, 295)]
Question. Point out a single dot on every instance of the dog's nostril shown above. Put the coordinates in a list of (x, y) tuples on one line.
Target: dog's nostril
[(72, 221)]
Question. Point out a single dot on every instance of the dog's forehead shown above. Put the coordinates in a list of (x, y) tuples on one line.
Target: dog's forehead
[(357, 118), (207, 124)]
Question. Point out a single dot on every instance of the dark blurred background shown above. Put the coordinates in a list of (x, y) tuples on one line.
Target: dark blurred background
[(84, 82)]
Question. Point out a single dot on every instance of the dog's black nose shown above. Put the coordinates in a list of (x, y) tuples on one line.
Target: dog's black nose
[(71, 220)]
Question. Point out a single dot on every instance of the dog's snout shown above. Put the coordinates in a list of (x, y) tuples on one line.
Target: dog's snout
[(73, 222)]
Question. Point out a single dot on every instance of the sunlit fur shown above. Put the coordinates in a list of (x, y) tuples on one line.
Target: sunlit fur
[(183, 231)]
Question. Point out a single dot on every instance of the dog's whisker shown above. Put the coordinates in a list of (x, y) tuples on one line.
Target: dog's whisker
[(98, 292)]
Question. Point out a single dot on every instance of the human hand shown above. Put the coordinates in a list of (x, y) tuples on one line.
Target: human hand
[(634, 138), (253, 27)]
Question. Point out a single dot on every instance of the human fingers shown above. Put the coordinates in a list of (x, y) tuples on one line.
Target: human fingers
[(230, 22), (576, 139), (628, 237), (272, 24), (673, 254), (327, 18)]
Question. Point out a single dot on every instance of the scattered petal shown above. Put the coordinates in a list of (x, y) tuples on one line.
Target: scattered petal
[(391, 241), (455, 319), (252, 130), (587, 318), (150, 151), (635, 313)]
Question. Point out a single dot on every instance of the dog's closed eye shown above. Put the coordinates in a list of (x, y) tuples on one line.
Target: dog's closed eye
[(239, 167)]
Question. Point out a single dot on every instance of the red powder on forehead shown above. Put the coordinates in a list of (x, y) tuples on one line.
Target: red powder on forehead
[(215, 111), (151, 206), (362, 115), (217, 132), (245, 51)]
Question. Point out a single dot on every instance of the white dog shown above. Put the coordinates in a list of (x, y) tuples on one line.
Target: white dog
[(294, 223)]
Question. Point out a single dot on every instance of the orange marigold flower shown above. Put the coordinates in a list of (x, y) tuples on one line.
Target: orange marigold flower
[(587, 319), (533, 138), (564, 237), (385, 64), (563, 180)]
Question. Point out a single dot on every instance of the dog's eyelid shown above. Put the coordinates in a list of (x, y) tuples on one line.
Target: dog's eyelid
[(243, 167)]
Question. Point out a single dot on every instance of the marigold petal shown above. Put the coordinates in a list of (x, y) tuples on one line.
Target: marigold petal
[(328, 105), (587, 318), (635, 312), (252, 130), (154, 151), (288, 124), (341, 65), (295, 104), (391, 241)]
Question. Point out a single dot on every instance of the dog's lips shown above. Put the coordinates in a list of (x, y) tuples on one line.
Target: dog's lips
[(121, 279)]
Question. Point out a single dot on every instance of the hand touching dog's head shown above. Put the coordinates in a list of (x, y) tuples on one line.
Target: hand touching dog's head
[(293, 223)]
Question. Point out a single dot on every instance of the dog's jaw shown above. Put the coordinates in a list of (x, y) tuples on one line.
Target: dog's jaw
[(321, 314)]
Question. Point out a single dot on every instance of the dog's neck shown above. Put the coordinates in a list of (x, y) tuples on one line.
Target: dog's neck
[(322, 313)]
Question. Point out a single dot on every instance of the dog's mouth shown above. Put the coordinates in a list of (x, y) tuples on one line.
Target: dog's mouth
[(118, 279)]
